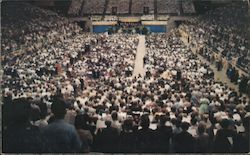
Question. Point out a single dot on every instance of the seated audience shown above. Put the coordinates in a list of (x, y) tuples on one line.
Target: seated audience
[(84, 79)]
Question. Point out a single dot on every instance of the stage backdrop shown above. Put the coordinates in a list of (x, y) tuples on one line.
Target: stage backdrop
[(101, 28), (157, 28), (151, 28)]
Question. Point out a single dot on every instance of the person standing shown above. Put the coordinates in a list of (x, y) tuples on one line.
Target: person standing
[(202, 139), (60, 136), (163, 135), (109, 138), (145, 136), (226, 139), (19, 135), (82, 83), (184, 141), (85, 135)]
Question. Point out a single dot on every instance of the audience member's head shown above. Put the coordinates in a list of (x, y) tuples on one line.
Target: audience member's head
[(144, 122), (185, 126), (127, 125), (79, 121), (21, 109), (114, 116), (201, 127), (58, 108), (108, 123), (163, 120), (225, 123)]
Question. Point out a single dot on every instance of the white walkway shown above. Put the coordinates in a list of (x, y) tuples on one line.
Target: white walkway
[(141, 51)]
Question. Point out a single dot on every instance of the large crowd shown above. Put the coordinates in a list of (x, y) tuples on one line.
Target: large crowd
[(223, 31), (68, 91)]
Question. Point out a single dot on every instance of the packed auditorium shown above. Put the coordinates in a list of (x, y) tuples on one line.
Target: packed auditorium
[(125, 76)]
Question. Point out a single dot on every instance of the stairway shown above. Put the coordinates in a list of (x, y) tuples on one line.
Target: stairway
[(105, 9), (180, 6), (130, 7), (81, 11), (155, 10)]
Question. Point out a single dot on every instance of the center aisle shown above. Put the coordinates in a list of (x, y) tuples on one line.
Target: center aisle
[(141, 51)]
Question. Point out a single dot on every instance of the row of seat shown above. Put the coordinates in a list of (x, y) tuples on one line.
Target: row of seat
[(123, 6), (93, 6), (138, 6)]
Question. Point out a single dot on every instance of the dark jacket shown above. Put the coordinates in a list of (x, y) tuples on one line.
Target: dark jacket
[(109, 140), (162, 139), (127, 142), (22, 139), (202, 143), (184, 142), (145, 139), (222, 142)]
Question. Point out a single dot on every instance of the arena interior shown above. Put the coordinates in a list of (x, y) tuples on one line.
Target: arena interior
[(125, 76)]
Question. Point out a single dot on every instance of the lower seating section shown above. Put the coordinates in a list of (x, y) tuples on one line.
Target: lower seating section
[(69, 91), (122, 6), (167, 6), (93, 7)]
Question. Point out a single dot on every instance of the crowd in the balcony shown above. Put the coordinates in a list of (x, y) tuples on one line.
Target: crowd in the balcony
[(223, 31)]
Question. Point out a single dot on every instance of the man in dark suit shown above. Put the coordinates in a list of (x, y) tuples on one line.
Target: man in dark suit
[(61, 137), (109, 139), (82, 83), (163, 134), (226, 139), (184, 141), (127, 137), (19, 135), (145, 136), (178, 75)]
